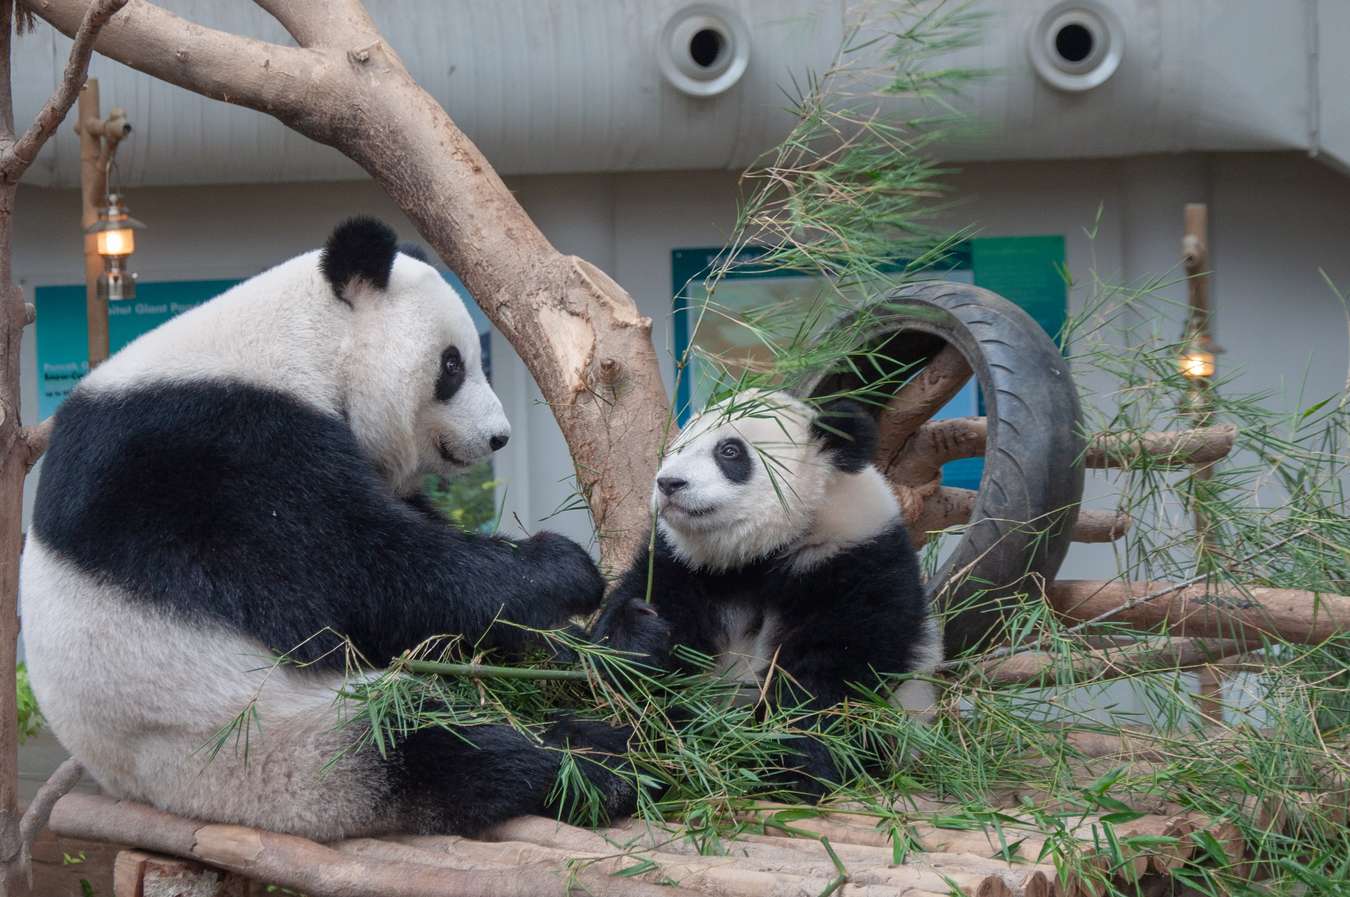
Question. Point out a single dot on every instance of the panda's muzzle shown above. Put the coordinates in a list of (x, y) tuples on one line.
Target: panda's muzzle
[(670, 504), (448, 455)]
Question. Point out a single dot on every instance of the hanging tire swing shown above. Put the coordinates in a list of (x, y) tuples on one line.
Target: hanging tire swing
[(1022, 517)]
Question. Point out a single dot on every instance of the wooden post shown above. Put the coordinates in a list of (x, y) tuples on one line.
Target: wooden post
[(137, 873), (99, 138), (1195, 257), (93, 187)]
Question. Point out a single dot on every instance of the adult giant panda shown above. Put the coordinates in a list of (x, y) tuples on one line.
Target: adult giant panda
[(777, 540), (243, 480)]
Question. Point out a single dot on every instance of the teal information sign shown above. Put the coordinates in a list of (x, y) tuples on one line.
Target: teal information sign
[(63, 337), (1025, 270)]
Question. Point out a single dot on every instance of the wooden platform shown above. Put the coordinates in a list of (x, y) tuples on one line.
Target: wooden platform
[(777, 854)]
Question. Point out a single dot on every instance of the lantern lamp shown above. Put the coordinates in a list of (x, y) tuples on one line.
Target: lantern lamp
[(115, 235), (1196, 364)]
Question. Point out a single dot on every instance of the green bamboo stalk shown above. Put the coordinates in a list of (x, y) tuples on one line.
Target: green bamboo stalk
[(487, 671)]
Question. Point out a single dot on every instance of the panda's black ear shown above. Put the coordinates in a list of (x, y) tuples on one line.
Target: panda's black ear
[(412, 250), (360, 248), (849, 433)]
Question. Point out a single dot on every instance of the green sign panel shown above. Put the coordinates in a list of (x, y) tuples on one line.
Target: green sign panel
[(63, 337), (1025, 270)]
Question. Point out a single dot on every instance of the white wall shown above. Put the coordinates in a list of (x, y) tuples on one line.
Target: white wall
[(1275, 219)]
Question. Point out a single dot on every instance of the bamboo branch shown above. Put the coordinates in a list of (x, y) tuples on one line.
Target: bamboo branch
[(488, 671), (1205, 610), (15, 161)]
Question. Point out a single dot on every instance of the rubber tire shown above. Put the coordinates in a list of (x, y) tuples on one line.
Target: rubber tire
[(1029, 494)]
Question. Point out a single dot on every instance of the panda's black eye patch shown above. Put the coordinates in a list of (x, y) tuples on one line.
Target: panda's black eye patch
[(451, 377), (733, 459)]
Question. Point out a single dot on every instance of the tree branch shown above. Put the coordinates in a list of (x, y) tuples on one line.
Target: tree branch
[(34, 820), (579, 332), (36, 439), (939, 441), (1045, 667), (1205, 610), (1167, 448), (950, 506), (16, 160), (281, 81), (323, 23), (917, 401)]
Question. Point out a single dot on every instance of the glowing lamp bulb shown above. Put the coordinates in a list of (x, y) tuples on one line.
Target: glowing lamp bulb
[(1196, 364), (116, 242), (115, 231)]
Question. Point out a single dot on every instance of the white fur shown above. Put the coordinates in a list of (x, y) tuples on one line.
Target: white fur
[(134, 694), (796, 503), (856, 507), (133, 691), (919, 696), (739, 523), (375, 359), (746, 648)]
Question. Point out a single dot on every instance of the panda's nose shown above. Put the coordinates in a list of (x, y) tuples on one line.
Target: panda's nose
[(498, 441), (670, 485)]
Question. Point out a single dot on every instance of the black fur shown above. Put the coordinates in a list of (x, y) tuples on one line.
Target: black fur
[(452, 374), (228, 503), (849, 433), (470, 779), (860, 613), (733, 459), (360, 247)]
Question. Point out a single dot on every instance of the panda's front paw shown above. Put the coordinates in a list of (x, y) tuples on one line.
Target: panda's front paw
[(632, 625), (577, 585)]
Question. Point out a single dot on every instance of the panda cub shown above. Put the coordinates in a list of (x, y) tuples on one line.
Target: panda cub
[(777, 541), (242, 481)]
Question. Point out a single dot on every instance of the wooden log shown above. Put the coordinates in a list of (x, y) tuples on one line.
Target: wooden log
[(140, 874), (1205, 610), (799, 856), (950, 506), (724, 876), (1160, 655), (917, 401), (314, 869), (937, 442), (1167, 448)]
